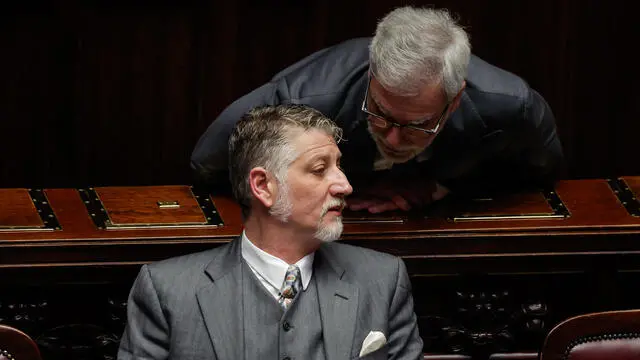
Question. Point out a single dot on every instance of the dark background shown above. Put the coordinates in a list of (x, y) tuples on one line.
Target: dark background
[(118, 92)]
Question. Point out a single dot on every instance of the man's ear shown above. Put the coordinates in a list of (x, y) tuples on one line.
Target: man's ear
[(263, 186), (456, 100)]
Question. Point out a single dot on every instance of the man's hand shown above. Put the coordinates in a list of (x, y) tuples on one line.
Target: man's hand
[(396, 194), (375, 204)]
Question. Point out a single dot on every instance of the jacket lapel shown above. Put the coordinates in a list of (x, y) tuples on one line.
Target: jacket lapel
[(338, 306), (218, 301), (464, 142)]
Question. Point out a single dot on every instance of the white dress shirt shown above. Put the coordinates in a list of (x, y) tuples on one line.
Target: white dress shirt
[(271, 270)]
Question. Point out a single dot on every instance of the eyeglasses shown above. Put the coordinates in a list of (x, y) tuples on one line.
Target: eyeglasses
[(384, 123)]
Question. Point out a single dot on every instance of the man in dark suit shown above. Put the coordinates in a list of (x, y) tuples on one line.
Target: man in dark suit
[(421, 116), (282, 290)]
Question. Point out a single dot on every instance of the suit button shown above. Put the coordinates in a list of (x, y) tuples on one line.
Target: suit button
[(286, 326)]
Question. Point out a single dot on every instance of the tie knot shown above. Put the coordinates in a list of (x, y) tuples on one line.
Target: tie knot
[(291, 283)]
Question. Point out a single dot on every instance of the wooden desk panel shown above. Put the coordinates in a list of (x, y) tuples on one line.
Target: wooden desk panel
[(592, 205), (17, 210), (144, 205), (598, 224), (77, 225)]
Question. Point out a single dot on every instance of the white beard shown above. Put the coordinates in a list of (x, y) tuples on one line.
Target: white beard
[(330, 232), (283, 208)]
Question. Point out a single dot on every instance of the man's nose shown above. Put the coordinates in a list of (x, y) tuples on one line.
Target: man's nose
[(393, 137), (341, 186)]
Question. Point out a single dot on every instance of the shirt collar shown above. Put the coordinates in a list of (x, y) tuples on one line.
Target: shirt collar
[(274, 269)]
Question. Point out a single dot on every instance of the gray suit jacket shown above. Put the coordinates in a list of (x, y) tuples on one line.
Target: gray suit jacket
[(188, 307), (502, 135)]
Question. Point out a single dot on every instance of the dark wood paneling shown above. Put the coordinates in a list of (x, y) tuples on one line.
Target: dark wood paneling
[(117, 93)]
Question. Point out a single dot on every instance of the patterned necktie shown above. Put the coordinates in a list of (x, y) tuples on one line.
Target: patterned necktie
[(290, 286)]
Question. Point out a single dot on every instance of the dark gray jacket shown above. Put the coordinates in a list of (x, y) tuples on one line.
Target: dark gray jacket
[(190, 307), (503, 134)]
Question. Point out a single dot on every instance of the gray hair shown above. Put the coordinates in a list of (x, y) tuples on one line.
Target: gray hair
[(415, 47), (263, 137)]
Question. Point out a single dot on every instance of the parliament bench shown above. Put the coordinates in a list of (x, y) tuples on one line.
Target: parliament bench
[(491, 276)]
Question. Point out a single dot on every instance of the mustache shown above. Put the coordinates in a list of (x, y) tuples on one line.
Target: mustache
[(335, 202)]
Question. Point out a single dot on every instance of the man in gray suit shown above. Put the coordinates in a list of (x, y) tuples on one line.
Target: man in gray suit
[(282, 290), (421, 116)]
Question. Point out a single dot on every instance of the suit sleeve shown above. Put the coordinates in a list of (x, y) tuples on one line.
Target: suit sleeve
[(210, 157), (532, 158), (146, 335), (404, 340), (544, 156)]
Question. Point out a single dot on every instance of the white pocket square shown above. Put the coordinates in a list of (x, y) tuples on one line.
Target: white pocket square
[(374, 341)]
